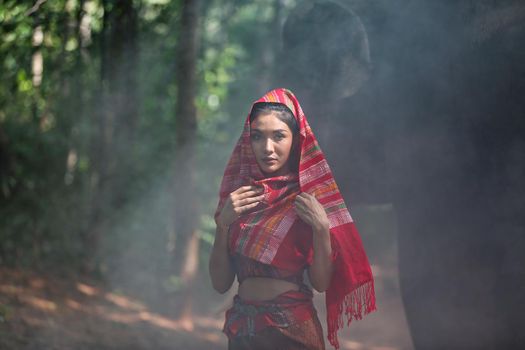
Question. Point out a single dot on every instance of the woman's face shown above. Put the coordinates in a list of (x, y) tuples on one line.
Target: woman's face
[(271, 141)]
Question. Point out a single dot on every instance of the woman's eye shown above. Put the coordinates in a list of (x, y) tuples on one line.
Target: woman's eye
[(279, 136), (254, 136)]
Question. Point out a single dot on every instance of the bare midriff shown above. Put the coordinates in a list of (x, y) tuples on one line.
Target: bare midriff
[(264, 288)]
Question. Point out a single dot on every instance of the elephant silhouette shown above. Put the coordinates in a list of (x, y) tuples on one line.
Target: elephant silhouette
[(422, 105)]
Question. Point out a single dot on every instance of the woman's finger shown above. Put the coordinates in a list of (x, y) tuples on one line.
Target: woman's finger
[(305, 196), (302, 201), (243, 189), (300, 206), (250, 193), (247, 207), (302, 214), (249, 200)]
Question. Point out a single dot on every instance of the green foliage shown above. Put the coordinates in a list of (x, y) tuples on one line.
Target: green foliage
[(51, 133)]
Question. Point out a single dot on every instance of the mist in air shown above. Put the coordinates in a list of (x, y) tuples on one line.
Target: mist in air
[(106, 168), (418, 107)]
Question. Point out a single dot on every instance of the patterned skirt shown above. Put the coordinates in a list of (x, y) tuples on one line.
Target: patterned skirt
[(288, 321)]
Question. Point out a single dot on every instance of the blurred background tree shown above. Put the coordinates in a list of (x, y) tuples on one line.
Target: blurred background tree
[(117, 118), (116, 121)]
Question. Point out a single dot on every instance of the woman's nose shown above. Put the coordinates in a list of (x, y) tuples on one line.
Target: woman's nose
[(268, 146)]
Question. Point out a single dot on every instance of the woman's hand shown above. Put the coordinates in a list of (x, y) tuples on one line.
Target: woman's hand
[(222, 272), (311, 211), (238, 202)]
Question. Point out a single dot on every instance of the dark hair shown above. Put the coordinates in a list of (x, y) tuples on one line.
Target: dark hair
[(283, 113)]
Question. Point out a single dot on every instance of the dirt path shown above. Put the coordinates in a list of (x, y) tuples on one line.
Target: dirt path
[(45, 312), (42, 311)]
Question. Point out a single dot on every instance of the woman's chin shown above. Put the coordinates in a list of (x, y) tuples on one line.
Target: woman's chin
[(272, 171), (269, 171)]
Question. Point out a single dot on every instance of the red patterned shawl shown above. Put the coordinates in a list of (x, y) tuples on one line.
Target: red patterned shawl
[(259, 232)]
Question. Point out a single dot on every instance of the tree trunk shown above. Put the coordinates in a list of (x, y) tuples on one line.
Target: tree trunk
[(186, 205), (71, 85), (113, 140), (269, 56)]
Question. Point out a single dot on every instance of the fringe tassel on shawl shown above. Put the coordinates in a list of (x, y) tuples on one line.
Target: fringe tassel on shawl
[(353, 303)]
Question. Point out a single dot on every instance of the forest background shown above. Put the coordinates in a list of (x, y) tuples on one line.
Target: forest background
[(117, 118)]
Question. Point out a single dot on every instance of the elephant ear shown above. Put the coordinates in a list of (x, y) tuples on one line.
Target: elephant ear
[(340, 42)]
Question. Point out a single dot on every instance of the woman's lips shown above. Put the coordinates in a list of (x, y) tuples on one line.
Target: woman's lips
[(269, 160)]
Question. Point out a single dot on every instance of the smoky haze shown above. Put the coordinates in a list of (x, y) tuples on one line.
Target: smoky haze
[(418, 106), (425, 110)]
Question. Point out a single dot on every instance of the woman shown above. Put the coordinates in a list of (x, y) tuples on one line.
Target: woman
[(280, 212)]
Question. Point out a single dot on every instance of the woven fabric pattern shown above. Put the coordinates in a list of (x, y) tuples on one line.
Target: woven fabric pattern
[(259, 233)]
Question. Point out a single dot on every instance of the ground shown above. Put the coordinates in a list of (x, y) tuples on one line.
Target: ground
[(48, 311), (39, 311), (42, 311)]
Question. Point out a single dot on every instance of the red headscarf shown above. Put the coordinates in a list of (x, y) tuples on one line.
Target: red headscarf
[(259, 232)]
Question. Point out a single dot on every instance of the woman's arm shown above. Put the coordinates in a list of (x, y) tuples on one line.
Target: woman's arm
[(220, 269), (238, 202), (312, 212), (320, 271)]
